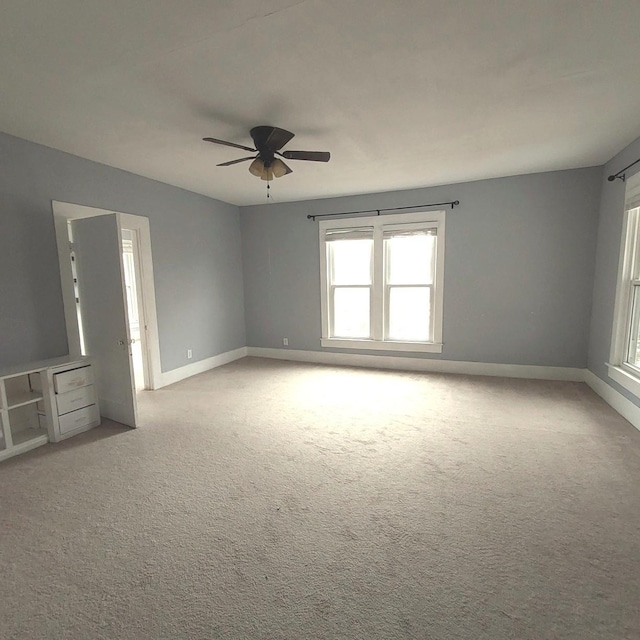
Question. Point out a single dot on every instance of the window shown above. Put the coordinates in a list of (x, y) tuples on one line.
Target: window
[(382, 282), (624, 366)]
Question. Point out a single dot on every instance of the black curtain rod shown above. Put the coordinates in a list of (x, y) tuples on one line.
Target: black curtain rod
[(621, 174), (453, 204)]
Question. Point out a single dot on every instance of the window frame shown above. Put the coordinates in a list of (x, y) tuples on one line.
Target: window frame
[(379, 288), (623, 372)]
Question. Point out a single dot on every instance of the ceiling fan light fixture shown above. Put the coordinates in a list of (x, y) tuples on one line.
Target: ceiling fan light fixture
[(275, 169), (256, 168), (279, 168)]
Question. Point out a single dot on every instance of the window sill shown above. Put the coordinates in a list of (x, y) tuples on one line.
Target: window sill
[(625, 378), (379, 345)]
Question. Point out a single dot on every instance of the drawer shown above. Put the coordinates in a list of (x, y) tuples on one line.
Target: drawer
[(73, 379), (76, 399), (78, 419)]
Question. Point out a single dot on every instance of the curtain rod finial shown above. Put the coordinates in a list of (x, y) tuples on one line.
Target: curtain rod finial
[(622, 174)]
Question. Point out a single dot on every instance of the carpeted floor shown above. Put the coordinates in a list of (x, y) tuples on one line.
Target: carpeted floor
[(272, 500)]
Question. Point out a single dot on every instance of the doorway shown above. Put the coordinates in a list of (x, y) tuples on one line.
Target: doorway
[(109, 258), (135, 308)]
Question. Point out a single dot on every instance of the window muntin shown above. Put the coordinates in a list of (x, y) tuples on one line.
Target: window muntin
[(382, 282)]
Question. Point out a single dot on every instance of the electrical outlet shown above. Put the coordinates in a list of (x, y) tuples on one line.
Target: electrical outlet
[(189, 353), (285, 342)]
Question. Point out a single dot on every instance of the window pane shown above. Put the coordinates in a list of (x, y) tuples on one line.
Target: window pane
[(350, 261), (410, 259), (635, 244), (409, 313), (351, 312), (633, 351)]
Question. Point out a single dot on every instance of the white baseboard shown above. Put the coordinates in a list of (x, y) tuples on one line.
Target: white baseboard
[(614, 398), (175, 375), (422, 364)]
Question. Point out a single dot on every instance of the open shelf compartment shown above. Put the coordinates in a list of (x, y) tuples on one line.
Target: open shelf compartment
[(27, 423), (23, 389)]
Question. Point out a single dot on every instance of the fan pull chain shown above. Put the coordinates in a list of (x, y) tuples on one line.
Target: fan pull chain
[(268, 190)]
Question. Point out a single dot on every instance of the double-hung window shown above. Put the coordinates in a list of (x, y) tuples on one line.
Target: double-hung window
[(382, 280), (624, 365)]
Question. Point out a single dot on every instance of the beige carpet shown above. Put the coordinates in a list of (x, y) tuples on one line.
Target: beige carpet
[(287, 501)]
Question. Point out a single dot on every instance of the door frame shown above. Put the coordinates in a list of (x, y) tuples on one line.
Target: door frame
[(143, 269), (63, 212)]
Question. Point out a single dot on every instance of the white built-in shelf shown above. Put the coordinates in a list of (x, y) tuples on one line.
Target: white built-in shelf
[(35, 367), (29, 435), (23, 398), (45, 401)]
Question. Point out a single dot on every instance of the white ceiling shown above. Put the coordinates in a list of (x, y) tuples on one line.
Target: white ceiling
[(403, 93)]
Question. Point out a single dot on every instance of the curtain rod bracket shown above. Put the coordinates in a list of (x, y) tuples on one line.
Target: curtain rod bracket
[(622, 175)]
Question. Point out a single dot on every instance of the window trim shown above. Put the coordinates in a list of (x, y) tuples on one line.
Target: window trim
[(619, 370), (422, 219)]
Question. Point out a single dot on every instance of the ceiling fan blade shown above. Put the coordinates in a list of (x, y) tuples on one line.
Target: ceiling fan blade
[(314, 156), (228, 144), (228, 164), (272, 138)]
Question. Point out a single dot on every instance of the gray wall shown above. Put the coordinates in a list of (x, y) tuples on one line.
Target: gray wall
[(196, 252), (607, 255), (518, 267)]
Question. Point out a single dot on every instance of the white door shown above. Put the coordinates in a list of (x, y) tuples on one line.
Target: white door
[(98, 250)]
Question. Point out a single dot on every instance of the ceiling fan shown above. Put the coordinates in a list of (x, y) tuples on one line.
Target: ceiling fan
[(268, 142)]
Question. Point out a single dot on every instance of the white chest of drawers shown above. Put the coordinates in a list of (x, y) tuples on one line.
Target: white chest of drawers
[(72, 398)]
